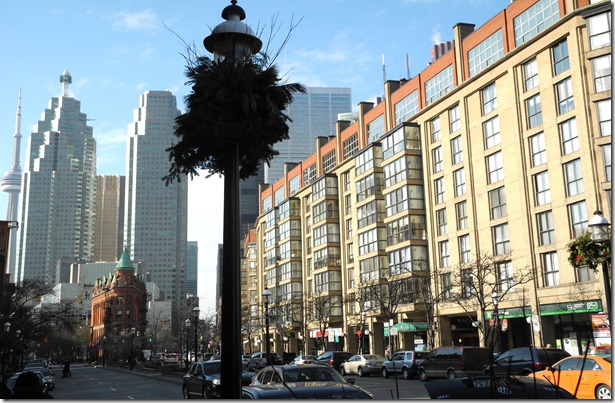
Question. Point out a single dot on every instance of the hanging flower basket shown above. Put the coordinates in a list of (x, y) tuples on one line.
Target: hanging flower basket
[(584, 251)]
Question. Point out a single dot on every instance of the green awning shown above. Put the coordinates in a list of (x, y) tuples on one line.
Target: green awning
[(411, 326)]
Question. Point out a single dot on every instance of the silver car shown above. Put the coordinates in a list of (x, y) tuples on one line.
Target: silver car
[(362, 364)]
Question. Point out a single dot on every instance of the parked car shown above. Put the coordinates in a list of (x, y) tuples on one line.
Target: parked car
[(245, 359), (333, 358), (39, 362), (10, 383), (362, 364), (525, 360), (321, 390), (600, 350), (259, 360), (454, 361), (405, 363), (171, 358), (203, 380), (49, 378), (303, 359), (591, 373)]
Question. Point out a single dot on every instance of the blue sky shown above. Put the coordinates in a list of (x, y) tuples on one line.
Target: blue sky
[(117, 50)]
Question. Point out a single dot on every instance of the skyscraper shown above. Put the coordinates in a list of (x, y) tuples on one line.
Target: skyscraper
[(109, 224), (59, 187), (155, 230), (192, 267), (313, 115)]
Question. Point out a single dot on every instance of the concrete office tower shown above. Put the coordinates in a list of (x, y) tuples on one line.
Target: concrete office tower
[(11, 184), (192, 267), (313, 115), (155, 230), (109, 224), (59, 188)]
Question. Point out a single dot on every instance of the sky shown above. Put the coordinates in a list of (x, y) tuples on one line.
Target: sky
[(117, 50)]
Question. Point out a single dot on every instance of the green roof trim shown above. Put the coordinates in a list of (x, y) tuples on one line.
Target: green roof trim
[(124, 263)]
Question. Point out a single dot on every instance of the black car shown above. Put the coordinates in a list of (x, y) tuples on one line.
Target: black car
[(203, 380), (333, 358), (320, 390), (525, 360), (454, 361)]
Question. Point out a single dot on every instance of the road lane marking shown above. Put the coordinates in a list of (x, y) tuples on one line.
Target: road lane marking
[(113, 389)]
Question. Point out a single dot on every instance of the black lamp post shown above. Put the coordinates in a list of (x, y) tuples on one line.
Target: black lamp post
[(195, 314), (187, 344), (132, 339), (599, 227), (104, 340), (232, 39), (7, 328), (495, 299), (266, 295), (362, 336)]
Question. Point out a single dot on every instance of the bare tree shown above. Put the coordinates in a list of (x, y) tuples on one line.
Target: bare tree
[(321, 308)]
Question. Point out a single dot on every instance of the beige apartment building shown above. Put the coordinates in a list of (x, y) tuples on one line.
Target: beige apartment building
[(467, 180)]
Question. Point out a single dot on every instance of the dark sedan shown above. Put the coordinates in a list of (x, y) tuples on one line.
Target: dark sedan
[(203, 380), (315, 390)]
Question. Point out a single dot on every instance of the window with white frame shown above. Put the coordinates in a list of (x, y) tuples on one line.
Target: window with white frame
[(398, 230), (416, 197), (404, 167), (400, 261), (364, 161), (372, 240), (539, 149), (550, 269), (447, 286), (606, 155), (462, 215), (369, 213), (486, 53), (561, 61), (578, 218), (309, 174), (505, 276), (347, 178), (495, 167), (530, 74), (535, 20), (396, 201), (350, 252), (326, 233), (438, 161), (460, 182), (328, 161), (436, 133), (497, 203), (467, 283), (325, 209), (349, 228), (294, 184), (546, 231), (489, 99), (369, 269), (407, 107), (599, 27), (375, 129), (585, 274), (604, 116), (491, 130), (574, 177), (439, 85), (394, 143), (457, 150), (440, 196), (465, 251), (445, 254), (278, 196), (534, 111), (348, 203), (542, 188), (351, 146), (267, 203), (565, 101), (369, 186), (601, 67), (570, 137), (501, 239), (454, 118), (441, 222)]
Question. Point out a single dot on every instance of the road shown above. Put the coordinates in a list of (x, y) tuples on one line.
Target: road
[(96, 383)]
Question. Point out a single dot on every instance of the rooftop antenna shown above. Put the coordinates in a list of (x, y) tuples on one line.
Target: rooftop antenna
[(408, 65), (384, 70)]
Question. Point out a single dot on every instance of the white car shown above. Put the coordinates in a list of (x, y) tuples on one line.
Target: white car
[(362, 364), (171, 358)]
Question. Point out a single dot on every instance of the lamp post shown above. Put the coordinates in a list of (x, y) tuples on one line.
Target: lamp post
[(266, 295), (187, 345), (104, 340), (132, 339), (232, 40), (495, 299), (362, 336), (7, 328), (195, 313), (599, 228)]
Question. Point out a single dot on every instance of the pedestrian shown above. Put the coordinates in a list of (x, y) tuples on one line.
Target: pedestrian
[(66, 372), (30, 386)]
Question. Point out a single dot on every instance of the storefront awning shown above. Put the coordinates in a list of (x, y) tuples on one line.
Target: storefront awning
[(411, 326)]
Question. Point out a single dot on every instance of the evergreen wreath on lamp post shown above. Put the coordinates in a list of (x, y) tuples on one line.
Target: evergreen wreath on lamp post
[(584, 251)]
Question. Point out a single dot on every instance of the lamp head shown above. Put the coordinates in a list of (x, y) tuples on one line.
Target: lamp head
[(196, 311), (495, 298), (598, 227), (7, 326)]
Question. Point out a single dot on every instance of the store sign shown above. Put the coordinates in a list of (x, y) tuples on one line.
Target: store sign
[(510, 313), (600, 325), (571, 307)]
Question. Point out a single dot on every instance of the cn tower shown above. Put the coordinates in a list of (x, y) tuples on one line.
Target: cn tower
[(11, 184)]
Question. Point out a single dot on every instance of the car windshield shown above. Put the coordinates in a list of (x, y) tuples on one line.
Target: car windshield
[(212, 369), (323, 374)]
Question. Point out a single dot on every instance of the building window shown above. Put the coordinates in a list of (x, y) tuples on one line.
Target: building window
[(534, 20), (454, 118), (375, 129), (505, 276), (438, 162), (434, 126), (328, 161), (439, 189), (460, 182), (396, 201), (447, 286), (546, 232), (465, 252), (497, 203), (574, 177), (350, 252), (539, 149), (534, 111), (364, 162), (495, 167), (294, 185), (351, 146), (550, 269), (348, 203), (565, 101), (578, 218), (369, 186), (606, 154), (530, 74), (467, 283), (406, 108), (309, 175), (398, 230), (570, 138), (599, 27), (489, 99), (439, 85), (372, 241), (561, 62), (491, 129), (462, 215), (445, 255), (441, 222), (278, 196), (604, 117), (601, 67), (486, 53), (542, 188), (369, 214), (457, 150), (406, 166), (585, 274), (501, 239), (349, 228)]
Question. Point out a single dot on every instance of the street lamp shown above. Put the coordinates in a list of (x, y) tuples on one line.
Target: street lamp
[(266, 295), (599, 228), (7, 328), (104, 340), (495, 299), (187, 344), (132, 339), (195, 313), (232, 40)]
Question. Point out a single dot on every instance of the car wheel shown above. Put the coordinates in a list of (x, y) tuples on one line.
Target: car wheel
[(360, 371), (385, 373), (405, 373), (450, 374), (603, 392), (186, 394), (423, 375), (342, 371)]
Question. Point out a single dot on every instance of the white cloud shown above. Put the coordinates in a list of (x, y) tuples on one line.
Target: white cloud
[(145, 20), (436, 35)]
